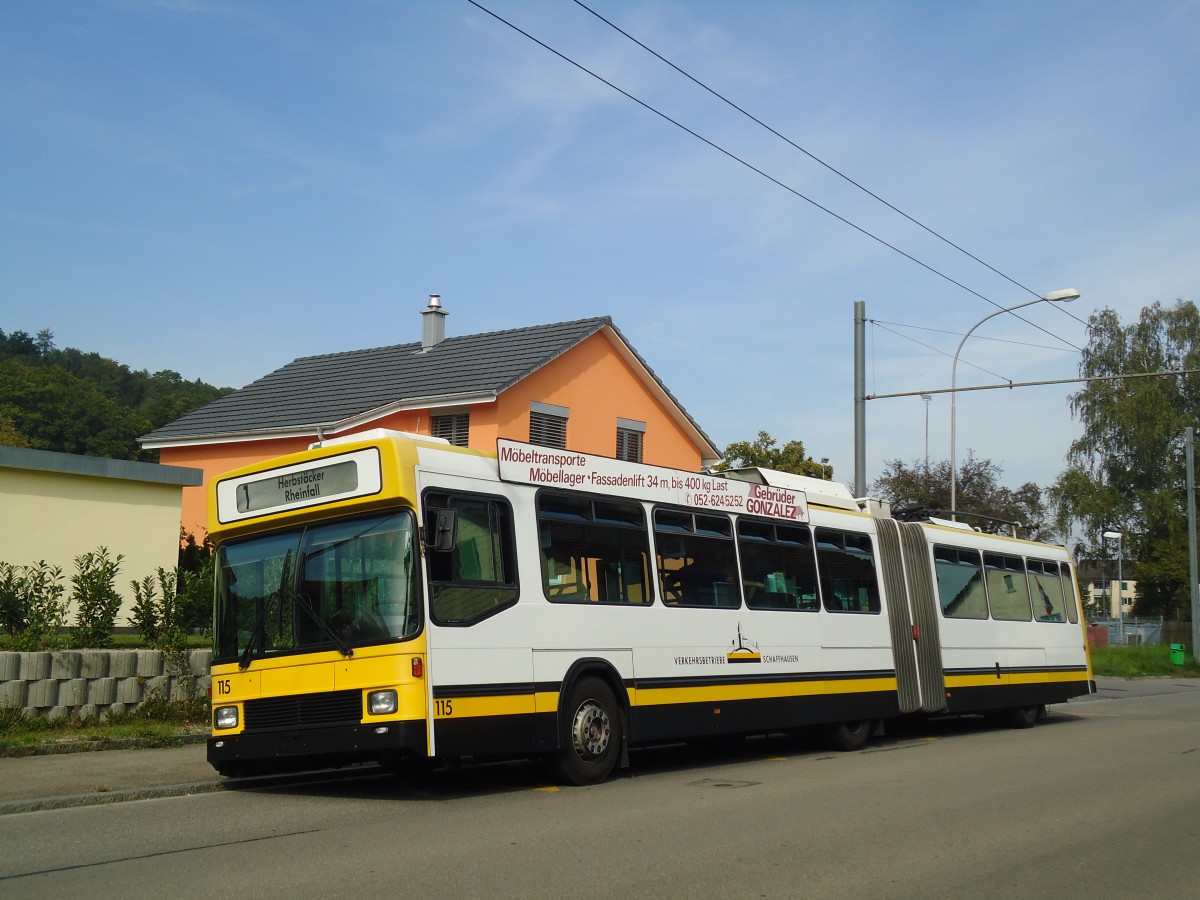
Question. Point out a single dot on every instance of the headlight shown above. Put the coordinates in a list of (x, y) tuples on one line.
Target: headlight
[(225, 717), (382, 703)]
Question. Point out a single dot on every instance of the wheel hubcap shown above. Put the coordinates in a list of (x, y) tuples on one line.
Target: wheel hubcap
[(591, 730)]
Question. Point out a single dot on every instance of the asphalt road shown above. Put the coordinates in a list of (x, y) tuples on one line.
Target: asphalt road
[(1100, 800)]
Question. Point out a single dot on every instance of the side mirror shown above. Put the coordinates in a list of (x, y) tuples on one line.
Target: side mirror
[(441, 527)]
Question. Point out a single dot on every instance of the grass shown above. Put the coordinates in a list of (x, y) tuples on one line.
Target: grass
[(1142, 662), (121, 642), (156, 723)]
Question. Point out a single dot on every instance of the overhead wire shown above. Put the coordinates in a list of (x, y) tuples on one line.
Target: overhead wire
[(817, 159), (906, 337), (960, 334), (733, 156)]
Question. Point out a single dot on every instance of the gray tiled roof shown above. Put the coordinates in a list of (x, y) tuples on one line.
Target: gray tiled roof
[(320, 391)]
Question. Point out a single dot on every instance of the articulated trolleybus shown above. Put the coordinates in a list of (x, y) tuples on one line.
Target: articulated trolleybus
[(392, 598)]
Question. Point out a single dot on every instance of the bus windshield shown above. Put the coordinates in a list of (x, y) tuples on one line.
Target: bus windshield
[(335, 584)]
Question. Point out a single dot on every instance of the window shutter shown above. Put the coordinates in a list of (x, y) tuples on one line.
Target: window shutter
[(548, 430), (456, 428), (629, 445)]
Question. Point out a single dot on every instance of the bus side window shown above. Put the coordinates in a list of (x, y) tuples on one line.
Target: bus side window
[(779, 570), (960, 582), (593, 550), (1048, 602), (1068, 583), (697, 563), (478, 577), (1007, 587), (846, 562)]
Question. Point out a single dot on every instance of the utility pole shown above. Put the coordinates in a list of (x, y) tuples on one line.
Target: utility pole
[(1189, 438)]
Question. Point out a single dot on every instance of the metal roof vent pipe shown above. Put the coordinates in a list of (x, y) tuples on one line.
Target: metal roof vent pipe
[(433, 323)]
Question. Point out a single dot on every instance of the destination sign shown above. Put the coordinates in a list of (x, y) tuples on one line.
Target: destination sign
[(529, 464), (295, 487), (306, 484)]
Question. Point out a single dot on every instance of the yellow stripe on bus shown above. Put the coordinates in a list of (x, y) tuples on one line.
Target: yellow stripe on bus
[(547, 701), (762, 691), (479, 707), (989, 679)]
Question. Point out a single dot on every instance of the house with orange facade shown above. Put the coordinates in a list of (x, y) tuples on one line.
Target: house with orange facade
[(573, 385)]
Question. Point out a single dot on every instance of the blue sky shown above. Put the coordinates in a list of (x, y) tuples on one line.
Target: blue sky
[(218, 187)]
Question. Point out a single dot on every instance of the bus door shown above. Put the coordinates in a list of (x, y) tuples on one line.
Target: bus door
[(912, 614), (480, 666)]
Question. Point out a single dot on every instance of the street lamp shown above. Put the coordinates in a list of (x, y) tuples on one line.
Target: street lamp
[(1116, 536), (1065, 296)]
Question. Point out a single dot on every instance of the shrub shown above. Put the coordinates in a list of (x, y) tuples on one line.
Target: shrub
[(95, 596), (145, 617), (195, 597), (31, 600), (156, 615), (12, 606)]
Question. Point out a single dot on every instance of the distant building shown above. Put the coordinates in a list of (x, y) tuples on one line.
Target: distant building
[(1104, 590), (575, 385), (57, 506)]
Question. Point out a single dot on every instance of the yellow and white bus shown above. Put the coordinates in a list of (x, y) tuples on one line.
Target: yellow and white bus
[(390, 597)]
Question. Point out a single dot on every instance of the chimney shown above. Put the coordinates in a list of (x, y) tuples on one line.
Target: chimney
[(433, 323)]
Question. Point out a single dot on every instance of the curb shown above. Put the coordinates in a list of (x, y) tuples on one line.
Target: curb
[(124, 795), (101, 798), (55, 748)]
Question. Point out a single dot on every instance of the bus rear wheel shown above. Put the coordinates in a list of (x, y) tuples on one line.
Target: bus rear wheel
[(1023, 716), (849, 735), (593, 731)]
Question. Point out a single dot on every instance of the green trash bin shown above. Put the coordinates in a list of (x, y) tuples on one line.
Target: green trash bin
[(1177, 654)]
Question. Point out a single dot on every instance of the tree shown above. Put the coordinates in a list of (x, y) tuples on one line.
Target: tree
[(763, 452), (10, 435), (978, 490), (77, 402), (1126, 471)]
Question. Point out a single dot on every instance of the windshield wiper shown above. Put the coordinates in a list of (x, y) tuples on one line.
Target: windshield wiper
[(248, 653), (305, 603)]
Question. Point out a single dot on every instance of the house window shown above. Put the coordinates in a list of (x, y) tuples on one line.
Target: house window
[(548, 425), (630, 436), (454, 428)]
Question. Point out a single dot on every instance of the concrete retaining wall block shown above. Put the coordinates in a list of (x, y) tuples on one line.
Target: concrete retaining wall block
[(42, 694), (58, 713), (122, 663), (95, 664), (129, 690), (102, 691), (159, 684), (35, 666), (10, 666), (115, 709), (72, 692), (149, 663), (13, 694), (200, 661), (65, 664)]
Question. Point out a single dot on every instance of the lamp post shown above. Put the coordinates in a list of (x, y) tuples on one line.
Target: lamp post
[(1116, 536), (1064, 296)]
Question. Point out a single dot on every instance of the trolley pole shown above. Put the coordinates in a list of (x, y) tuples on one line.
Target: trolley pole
[(860, 398)]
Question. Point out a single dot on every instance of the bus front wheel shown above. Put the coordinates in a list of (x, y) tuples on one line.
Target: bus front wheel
[(593, 731)]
